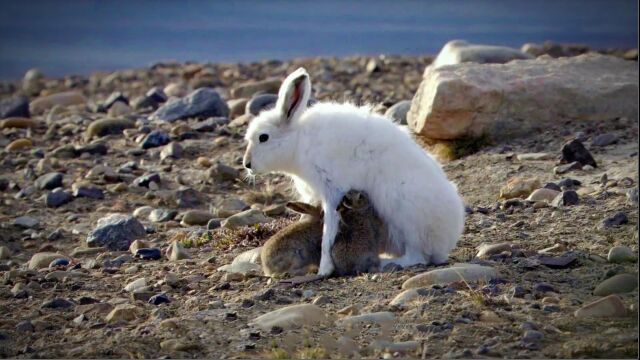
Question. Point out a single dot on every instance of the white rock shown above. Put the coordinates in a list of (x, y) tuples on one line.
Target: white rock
[(241, 267), (458, 272), (291, 317), (505, 100), (535, 156), (136, 284), (43, 259), (460, 51), (251, 256), (142, 212), (380, 318)]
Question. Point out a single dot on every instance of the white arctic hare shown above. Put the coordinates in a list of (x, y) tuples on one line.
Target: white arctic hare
[(329, 149)]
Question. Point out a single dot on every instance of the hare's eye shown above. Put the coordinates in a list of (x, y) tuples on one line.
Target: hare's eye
[(263, 137)]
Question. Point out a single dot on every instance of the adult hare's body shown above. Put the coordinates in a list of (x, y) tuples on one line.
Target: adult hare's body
[(331, 148)]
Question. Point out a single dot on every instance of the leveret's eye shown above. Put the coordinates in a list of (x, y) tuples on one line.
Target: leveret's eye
[(263, 137)]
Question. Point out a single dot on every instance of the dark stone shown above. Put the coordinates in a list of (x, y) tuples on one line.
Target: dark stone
[(156, 94), (65, 152), (247, 303), (265, 295), (531, 336), (57, 303), (615, 220), (210, 124), (568, 183), (557, 262), (116, 232), (25, 326), (231, 316), (98, 148), (4, 184), (154, 139), (202, 103), (566, 198), (57, 198), (223, 286), (550, 308), (17, 106), (398, 112), (88, 192), (86, 300), (482, 210), (543, 288), (55, 235), (574, 150), (259, 103), (187, 197), (213, 224), (144, 180), (149, 253), (49, 181), (159, 299), (59, 262)]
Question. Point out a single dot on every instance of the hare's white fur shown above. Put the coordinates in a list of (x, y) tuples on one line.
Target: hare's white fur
[(330, 148)]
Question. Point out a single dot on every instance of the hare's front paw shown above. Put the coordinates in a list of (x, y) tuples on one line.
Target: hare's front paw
[(326, 266)]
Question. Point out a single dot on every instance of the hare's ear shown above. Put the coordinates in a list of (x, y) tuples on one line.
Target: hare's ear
[(293, 95), (304, 208)]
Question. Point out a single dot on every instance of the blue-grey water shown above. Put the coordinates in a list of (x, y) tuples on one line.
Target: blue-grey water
[(78, 37)]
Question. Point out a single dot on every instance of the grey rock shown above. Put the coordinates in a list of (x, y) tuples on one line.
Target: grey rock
[(566, 198), (617, 284), (187, 197), (91, 192), (260, 102), (162, 215), (196, 217), (621, 254), (632, 196), (25, 326), (49, 181), (96, 148), (17, 106), (574, 150), (460, 51), (113, 98), (65, 152), (618, 219), (57, 198), (214, 224), (398, 112), (172, 150), (563, 169), (202, 103), (222, 172), (604, 139), (26, 222), (57, 303), (210, 124), (154, 139), (568, 183), (532, 336), (146, 179), (116, 232)]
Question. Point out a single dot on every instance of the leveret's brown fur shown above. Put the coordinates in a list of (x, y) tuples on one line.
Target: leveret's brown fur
[(295, 250)]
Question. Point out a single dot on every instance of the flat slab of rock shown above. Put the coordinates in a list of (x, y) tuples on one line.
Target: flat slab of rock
[(460, 51), (380, 318), (458, 272), (511, 99), (610, 306), (291, 317), (617, 284), (66, 98)]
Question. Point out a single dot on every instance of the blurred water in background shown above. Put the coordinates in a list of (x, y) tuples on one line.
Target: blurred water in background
[(78, 37)]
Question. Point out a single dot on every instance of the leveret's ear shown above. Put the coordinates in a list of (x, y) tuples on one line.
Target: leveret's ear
[(293, 95), (304, 208)]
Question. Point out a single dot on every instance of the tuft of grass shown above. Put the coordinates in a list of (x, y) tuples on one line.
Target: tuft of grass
[(266, 196), (312, 353)]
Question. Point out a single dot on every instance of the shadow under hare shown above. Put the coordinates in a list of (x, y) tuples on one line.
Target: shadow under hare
[(295, 250)]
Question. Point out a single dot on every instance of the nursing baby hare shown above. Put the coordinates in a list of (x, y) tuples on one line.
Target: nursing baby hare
[(295, 250)]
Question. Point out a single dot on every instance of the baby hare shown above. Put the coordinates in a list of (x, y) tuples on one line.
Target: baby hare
[(295, 250)]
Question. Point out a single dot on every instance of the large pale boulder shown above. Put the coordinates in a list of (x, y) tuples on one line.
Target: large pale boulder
[(460, 51), (503, 100)]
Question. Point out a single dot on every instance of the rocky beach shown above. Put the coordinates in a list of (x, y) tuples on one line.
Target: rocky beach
[(129, 229)]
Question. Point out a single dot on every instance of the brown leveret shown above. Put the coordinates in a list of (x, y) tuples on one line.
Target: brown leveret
[(295, 250)]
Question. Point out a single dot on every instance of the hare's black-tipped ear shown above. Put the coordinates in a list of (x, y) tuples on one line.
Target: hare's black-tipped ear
[(304, 208), (293, 95)]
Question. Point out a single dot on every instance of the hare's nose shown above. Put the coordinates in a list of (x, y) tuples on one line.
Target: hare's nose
[(248, 165)]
